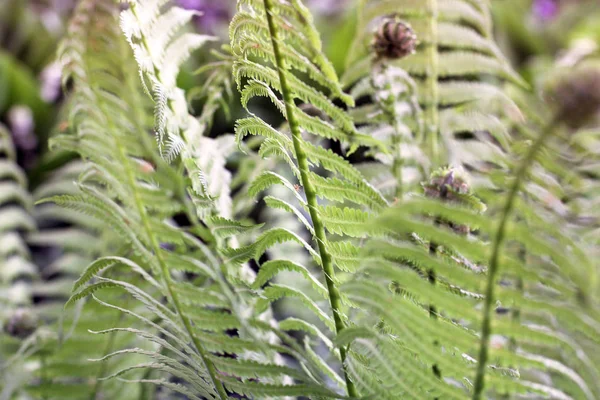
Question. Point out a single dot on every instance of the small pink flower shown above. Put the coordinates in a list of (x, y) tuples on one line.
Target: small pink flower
[(50, 83), (545, 10), (214, 13)]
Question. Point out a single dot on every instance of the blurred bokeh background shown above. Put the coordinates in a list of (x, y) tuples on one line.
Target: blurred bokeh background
[(535, 34)]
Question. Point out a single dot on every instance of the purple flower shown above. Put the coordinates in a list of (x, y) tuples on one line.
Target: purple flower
[(215, 14), (327, 7), (52, 13), (22, 126), (190, 4), (50, 82), (545, 10)]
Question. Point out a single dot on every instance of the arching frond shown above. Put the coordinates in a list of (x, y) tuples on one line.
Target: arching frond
[(207, 335), (283, 37), (422, 303)]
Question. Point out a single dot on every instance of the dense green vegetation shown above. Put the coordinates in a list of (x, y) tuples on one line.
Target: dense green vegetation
[(375, 199)]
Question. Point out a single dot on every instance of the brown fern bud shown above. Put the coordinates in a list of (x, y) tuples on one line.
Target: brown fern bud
[(447, 184), (394, 39), (21, 323), (577, 96), (452, 185)]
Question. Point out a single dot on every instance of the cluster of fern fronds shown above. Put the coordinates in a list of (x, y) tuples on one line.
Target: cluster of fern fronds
[(421, 227)]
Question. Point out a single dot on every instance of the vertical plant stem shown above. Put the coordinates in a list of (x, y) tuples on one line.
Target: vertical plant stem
[(388, 106), (494, 265), (309, 190), (398, 163), (515, 312), (432, 278), (431, 117), (44, 377)]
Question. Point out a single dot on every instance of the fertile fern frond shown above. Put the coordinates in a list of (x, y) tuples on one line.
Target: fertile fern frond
[(569, 191), (395, 118), (561, 190), (458, 70)]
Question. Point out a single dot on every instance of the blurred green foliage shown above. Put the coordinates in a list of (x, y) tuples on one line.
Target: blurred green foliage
[(20, 87)]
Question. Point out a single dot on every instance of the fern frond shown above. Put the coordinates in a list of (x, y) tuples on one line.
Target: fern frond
[(16, 221), (282, 36), (456, 51), (184, 306), (18, 273), (397, 274), (160, 48), (394, 118)]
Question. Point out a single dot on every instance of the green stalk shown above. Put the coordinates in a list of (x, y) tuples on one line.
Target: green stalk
[(494, 264), (309, 190), (44, 376), (388, 107), (397, 165), (431, 114)]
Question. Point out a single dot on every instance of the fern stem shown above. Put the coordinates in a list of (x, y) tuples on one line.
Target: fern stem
[(494, 265), (44, 376), (431, 114), (309, 190), (389, 109), (212, 372), (397, 165)]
